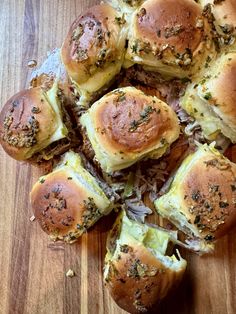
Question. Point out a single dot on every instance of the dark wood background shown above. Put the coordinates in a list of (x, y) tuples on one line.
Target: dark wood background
[(32, 269)]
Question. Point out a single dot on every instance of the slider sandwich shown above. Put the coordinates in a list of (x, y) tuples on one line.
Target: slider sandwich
[(201, 200), (140, 267), (170, 37), (211, 100), (35, 126), (69, 200), (126, 126), (93, 50)]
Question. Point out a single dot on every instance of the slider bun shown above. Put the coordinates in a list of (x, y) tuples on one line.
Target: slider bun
[(68, 201), (29, 123), (202, 198), (94, 47), (169, 36), (137, 276), (212, 101), (126, 125)]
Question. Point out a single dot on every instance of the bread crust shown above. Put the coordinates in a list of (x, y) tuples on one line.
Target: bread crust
[(126, 125), (115, 116), (221, 86), (169, 37), (68, 201), (135, 291), (170, 22), (93, 41), (202, 198), (26, 121), (58, 203), (209, 200)]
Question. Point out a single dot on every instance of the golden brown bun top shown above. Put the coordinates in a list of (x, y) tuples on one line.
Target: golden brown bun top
[(92, 42), (137, 272), (209, 195), (138, 280), (26, 121), (171, 22), (68, 201), (127, 120), (222, 88), (58, 203)]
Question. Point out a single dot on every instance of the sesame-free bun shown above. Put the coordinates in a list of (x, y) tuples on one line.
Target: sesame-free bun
[(137, 272), (68, 201), (94, 48), (170, 37), (126, 125), (201, 199), (29, 122), (211, 99)]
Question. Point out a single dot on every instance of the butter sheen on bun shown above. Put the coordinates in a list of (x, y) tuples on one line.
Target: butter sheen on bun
[(138, 272), (68, 201), (126, 125), (202, 198), (30, 121), (170, 37), (211, 99), (93, 50)]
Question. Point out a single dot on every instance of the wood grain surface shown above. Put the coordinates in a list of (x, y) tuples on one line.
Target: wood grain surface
[(32, 269)]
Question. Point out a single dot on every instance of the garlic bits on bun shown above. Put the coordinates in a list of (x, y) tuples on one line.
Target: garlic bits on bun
[(170, 37), (126, 126), (34, 125), (211, 99), (68, 201), (93, 50), (201, 201), (138, 271)]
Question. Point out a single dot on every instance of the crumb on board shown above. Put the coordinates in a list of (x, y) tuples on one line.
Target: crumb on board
[(70, 273), (32, 218)]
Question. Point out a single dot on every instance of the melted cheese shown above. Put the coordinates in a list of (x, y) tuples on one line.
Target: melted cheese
[(152, 240), (96, 82)]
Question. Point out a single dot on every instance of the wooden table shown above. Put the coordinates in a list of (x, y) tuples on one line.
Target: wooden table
[(32, 269)]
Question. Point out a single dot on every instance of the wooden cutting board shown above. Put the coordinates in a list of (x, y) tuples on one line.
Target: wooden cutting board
[(32, 269)]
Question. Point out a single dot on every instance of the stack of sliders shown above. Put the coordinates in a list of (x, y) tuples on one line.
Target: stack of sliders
[(74, 103)]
